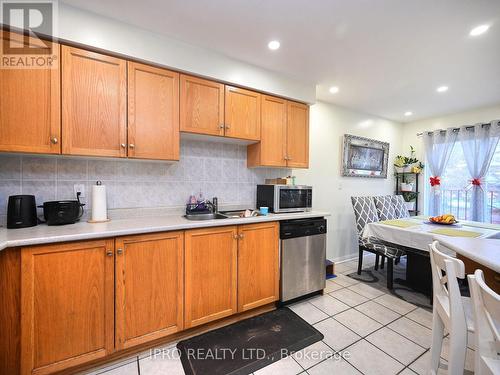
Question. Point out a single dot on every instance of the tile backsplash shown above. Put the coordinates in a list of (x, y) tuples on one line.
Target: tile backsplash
[(217, 169)]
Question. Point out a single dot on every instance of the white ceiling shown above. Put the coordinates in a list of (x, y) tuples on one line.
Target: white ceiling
[(386, 56)]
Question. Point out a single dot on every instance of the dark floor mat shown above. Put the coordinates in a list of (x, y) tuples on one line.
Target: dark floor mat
[(248, 345)]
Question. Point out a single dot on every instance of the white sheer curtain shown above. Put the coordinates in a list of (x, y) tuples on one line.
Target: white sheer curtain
[(479, 143), (438, 146)]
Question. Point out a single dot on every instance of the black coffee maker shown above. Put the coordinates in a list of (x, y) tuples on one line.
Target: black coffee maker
[(21, 211)]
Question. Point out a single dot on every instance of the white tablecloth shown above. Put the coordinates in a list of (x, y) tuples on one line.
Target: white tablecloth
[(419, 236)]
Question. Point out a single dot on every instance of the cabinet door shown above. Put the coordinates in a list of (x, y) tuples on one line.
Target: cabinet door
[(258, 265), (210, 274), (242, 113), (94, 103), (30, 104), (298, 135), (149, 287), (271, 150), (201, 106), (153, 112), (67, 305)]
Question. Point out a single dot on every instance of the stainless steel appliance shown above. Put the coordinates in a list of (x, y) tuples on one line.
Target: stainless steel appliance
[(303, 255), (285, 198)]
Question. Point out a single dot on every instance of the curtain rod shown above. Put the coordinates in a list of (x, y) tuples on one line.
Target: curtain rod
[(457, 129)]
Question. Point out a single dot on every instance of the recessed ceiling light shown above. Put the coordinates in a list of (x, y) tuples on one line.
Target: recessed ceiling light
[(273, 44), (478, 30), (408, 113), (333, 90), (442, 89)]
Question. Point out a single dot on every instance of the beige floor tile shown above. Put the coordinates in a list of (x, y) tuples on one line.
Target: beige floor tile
[(343, 268), (333, 366), (331, 286), (407, 371), (108, 367), (344, 280), (358, 322), (372, 361), (395, 303), (422, 365), (397, 346), (310, 313), (160, 350), (328, 304), (286, 366), (413, 331), (313, 354), (378, 312), (128, 369), (336, 335), (366, 290), (160, 365), (349, 297), (421, 316)]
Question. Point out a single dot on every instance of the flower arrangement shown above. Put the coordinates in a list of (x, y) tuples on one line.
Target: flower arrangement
[(408, 163)]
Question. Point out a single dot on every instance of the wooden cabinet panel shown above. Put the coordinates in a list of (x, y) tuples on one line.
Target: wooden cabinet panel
[(153, 112), (210, 274), (271, 150), (94, 103), (149, 287), (67, 305), (298, 135), (201, 106), (242, 113), (30, 104), (258, 265)]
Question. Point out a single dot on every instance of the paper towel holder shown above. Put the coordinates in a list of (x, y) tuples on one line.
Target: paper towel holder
[(98, 183)]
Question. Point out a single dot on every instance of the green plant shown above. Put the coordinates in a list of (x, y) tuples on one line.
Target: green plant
[(404, 161), (409, 196)]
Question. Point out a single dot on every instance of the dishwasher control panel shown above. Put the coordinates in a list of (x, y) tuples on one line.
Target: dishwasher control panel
[(302, 227)]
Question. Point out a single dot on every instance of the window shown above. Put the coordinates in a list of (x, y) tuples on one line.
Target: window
[(456, 187)]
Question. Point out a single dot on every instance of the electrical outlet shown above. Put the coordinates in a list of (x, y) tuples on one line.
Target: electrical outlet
[(79, 188)]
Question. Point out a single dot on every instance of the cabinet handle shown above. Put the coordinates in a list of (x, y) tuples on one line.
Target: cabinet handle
[(109, 253), (131, 145), (119, 251), (221, 126), (54, 140), (235, 236), (123, 145), (241, 236), (228, 127), (285, 157)]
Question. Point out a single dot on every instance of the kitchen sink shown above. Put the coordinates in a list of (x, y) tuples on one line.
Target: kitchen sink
[(206, 216), (239, 213)]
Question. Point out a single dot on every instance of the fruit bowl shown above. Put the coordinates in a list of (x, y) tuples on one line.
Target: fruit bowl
[(446, 219)]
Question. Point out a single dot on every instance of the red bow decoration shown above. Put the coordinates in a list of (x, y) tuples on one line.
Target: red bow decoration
[(476, 181), (435, 181)]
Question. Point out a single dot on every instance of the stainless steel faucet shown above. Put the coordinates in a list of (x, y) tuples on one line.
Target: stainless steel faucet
[(215, 203)]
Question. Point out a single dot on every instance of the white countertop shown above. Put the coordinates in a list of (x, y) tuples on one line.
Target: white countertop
[(43, 234), (482, 251)]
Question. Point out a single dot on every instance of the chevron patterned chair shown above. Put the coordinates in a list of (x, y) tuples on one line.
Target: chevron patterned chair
[(365, 212)]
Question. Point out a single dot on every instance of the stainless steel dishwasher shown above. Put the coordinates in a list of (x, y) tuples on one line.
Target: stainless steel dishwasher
[(303, 254)]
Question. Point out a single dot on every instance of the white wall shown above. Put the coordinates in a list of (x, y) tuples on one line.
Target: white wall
[(328, 124), (91, 29)]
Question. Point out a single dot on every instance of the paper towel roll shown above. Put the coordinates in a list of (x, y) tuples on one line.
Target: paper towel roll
[(99, 205)]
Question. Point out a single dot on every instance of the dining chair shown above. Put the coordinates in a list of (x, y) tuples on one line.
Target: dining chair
[(366, 212), (400, 207), (450, 310), (486, 311)]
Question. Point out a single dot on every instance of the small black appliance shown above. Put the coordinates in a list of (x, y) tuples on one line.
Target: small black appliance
[(63, 212), (21, 211)]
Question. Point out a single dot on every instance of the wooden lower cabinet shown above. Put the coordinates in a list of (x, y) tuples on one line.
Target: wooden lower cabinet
[(258, 265), (67, 312), (149, 287), (210, 274)]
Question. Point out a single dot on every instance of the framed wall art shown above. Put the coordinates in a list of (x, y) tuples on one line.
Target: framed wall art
[(364, 157)]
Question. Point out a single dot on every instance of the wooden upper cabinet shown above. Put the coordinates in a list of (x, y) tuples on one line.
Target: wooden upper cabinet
[(210, 274), (94, 103), (153, 112), (67, 294), (298, 135), (201, 106), (149, 287), (258, 265), (242, 113), (271, 150), (30, 103)]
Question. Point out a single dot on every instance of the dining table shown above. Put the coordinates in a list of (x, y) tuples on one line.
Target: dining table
[(466, 238)]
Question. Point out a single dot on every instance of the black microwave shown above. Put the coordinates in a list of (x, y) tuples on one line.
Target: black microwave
[(285, 198)]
